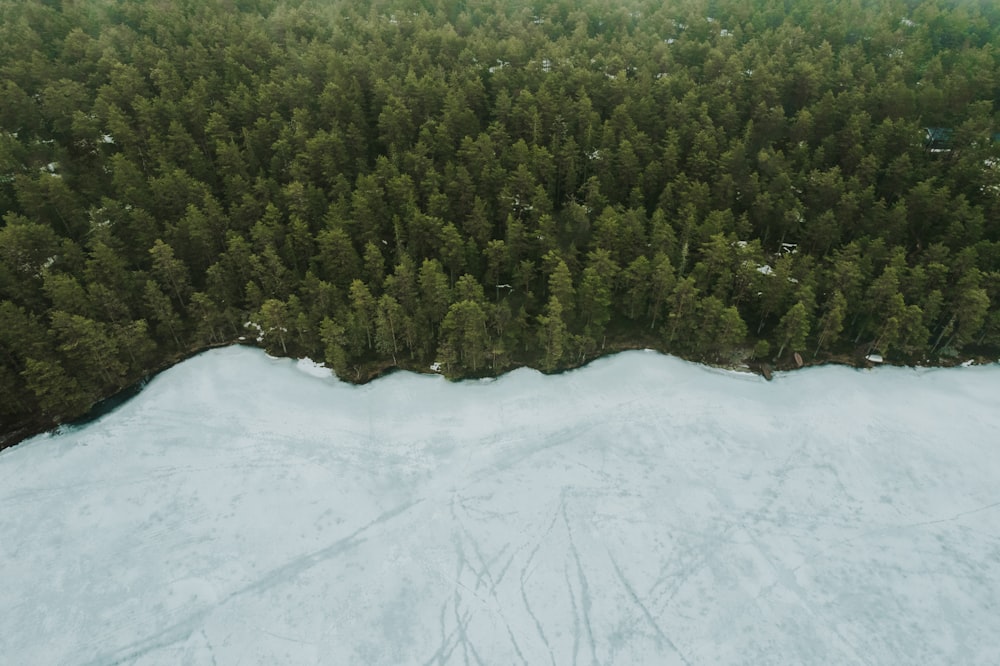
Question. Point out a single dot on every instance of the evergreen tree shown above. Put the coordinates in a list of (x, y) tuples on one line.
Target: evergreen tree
[(793, 329), (552, 334), (356, 182)]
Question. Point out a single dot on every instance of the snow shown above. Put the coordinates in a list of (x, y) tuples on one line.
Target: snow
[(312, 368), (641, 510)]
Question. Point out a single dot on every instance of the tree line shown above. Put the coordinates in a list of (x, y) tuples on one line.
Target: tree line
[(487, 184)]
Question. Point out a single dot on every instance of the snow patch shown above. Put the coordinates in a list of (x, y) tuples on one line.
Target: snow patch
[(312, 368)]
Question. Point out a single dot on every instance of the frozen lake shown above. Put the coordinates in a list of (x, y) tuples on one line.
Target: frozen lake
[(642, 510)]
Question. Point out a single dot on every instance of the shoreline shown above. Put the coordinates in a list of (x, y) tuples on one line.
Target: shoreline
[(374, 370)]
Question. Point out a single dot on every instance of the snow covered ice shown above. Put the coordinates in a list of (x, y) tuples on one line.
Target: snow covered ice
[(641, 510)]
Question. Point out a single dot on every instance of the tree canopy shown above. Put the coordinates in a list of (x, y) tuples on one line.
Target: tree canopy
[(487, 184)]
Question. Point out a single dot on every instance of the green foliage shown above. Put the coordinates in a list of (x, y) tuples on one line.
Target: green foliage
[(721, 329), (274, 319), (793, 329), (553, 334), (463, 183), (465, 343), (58, 393)]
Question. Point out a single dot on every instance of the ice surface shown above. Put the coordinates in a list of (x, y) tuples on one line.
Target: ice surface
[(642, 510)]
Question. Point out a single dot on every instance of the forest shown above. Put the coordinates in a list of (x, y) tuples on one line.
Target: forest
[(486, 184)]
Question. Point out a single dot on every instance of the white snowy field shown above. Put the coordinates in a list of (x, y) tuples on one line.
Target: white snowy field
[(642, 510)]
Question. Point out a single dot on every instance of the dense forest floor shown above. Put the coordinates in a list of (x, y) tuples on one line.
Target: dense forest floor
[(489, 185)]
